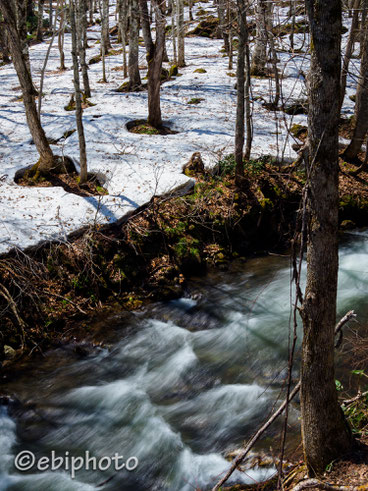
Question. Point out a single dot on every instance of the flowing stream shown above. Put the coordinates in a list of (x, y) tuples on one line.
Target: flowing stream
[(180, 385)]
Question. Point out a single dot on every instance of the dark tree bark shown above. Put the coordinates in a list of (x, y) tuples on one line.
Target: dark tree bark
[(325, 433), (21, 65), (41, 4), (82, 45), (180, 32), (240, 101), (155, 54), (4, 49), (361, 104)]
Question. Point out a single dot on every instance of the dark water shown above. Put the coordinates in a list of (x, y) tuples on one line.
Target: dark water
[(182, 383)]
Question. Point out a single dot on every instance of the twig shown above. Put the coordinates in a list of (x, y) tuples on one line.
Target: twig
[(239, 459), (313, 483)]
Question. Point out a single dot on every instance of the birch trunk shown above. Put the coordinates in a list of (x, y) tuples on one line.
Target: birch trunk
[(133, 67), (78, 94)]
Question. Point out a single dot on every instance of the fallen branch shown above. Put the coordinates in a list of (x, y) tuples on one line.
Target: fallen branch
[(239, 459), (315, 483), (359, 396)]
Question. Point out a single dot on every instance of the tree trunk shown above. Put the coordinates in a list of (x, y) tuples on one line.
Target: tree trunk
[(221, 7), (82, 44), (123, 22), (173, 31), (78, 95), (61, 35), (240, 80), (21, 65), (105, 30), (180, 32), (263, 25), (4, 43), (325, 433), (40, 20), (133, 68), (361, 104), (349, 49), (154, 58)]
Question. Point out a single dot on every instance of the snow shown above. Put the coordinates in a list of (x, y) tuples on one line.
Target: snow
[(134, 167)]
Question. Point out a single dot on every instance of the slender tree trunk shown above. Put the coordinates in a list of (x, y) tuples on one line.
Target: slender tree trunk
[(78, 94), (40, 19), (105, 31), (21, 65), (361, 104), (82, 44), (325, 433), (181, 32), (221, 8), (123, 22), (50, 13), (61, 35), (133, 67), (240, 103), (349, 50), (174, 31)]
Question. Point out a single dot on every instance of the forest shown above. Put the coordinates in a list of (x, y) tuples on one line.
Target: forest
[(183, 245)]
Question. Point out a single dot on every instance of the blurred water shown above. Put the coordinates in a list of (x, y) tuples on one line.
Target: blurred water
[(187, 381)]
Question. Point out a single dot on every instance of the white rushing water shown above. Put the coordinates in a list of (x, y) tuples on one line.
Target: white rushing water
[(190, 381)]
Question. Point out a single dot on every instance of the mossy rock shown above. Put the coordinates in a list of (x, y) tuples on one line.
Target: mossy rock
[(195, 100), (200, 70), (347, 225), (94, 60), (207, 28), (72, 105), (195, 166), (173, 71), (298, 130), (297, 107)]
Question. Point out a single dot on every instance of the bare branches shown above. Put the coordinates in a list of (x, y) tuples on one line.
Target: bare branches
[(240, 458)]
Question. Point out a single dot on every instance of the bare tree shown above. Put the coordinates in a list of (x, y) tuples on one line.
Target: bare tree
[(41, 4), (22, 67), (78, 93), (263, 27), (155, 54), (241, 78), (325, 433), (133, 67), (180, 32), (82, 44), (361, 103)]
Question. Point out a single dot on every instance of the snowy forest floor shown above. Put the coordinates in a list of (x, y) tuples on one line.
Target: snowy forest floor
[(135, 167)]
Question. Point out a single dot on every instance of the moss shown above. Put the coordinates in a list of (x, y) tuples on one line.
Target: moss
[(173, 71), (298, 130), (200, 70), (145, 129), (195, 100)]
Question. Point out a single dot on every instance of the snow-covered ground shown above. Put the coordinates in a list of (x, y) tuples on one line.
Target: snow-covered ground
[(136, 167)]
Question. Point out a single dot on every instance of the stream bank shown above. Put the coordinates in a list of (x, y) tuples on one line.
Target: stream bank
[(51, 294)]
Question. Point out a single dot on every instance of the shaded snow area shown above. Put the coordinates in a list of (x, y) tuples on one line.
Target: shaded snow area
[(135, 167)]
